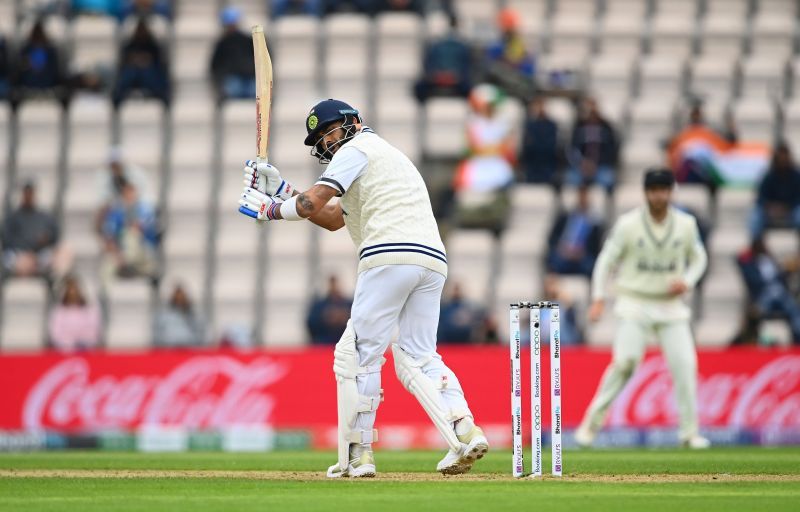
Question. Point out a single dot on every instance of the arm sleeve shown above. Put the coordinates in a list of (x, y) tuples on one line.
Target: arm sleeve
[(697, 258), (611, 253), (346, 166)]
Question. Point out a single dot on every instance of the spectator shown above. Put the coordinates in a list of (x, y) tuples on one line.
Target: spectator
[(594, 150), (177, 325), (283, 7), (539, 156), (571, 330), (142, 67), (144, 8), (328, 315), (232, 69), (415, 6), (767, 290), (482, 180), (341, 6), (130, 236), (460, 321), (508, 61), (104, 7), (30, 241), (447, 67), (74, 324), (574, 241), (110, 180), (5, 70), (694, 170), (778, 202), (38, 65)]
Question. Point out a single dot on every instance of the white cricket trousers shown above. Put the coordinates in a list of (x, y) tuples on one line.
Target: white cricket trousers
[(676, 343), (408, 297)]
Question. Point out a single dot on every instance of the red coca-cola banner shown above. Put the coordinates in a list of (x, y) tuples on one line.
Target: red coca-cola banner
[(745, 388)]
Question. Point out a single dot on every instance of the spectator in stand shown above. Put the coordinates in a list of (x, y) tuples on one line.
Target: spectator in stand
[(767, 292), (594, 150), (74, 324), (571, 329), (693, 170), (575, 237), (232, 69), (341, 6), (177, 324), (144, 8), (280, 8), (38, 66), (142, 67), (509, 63), (328, 315), (778, 202), (415, 6), (130, 236), (460, 321), (539, 155), (5, 70), (30, 241), (111, 179), (447, 67), (482, 181), (104, 7)]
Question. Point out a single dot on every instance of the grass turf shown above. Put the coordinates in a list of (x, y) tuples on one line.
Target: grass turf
[(570, 493)]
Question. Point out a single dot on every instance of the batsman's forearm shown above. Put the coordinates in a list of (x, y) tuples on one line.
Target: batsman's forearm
[(329, 217)]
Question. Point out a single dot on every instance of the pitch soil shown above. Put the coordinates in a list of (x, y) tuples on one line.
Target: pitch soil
[(304, 476)]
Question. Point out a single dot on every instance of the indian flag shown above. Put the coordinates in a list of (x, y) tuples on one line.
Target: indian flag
[(714, 159)]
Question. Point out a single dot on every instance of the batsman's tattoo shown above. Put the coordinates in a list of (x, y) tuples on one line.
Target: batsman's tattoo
[(305, 205)]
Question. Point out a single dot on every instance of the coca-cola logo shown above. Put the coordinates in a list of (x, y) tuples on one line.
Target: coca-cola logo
[(203, 391), (768, 397)]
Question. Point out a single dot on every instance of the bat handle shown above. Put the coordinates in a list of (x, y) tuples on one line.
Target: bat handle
[(248, 212)]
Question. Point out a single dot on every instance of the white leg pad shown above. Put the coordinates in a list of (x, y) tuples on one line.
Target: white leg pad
[(428, 394), (349, 401)]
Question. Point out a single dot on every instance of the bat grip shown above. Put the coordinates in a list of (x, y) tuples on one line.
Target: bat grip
[(248, 212)]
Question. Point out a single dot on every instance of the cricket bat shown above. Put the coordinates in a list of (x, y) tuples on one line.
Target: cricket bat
[(263, 65)]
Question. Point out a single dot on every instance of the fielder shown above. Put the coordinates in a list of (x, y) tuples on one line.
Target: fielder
[(402, 269), (659, 256)]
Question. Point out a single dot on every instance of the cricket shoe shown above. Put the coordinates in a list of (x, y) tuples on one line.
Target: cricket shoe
[(584, 436), (473, 447), (361, 467), (696, 442)]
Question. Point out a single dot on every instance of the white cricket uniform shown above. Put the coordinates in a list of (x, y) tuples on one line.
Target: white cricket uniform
[(649, 256), (402, 263)]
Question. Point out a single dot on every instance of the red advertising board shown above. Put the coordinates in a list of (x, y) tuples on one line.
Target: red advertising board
[(744, 388)]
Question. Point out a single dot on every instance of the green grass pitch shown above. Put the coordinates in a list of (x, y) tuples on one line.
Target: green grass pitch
[(720, 479)]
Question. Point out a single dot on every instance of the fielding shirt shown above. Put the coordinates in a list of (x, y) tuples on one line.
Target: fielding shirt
[(649, 256), (386, 205)]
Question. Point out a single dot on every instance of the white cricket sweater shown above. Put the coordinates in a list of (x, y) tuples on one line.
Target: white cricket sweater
[(649, 256), (388, 212)]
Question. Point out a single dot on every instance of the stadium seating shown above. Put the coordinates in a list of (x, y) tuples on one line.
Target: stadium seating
[(644, 61)]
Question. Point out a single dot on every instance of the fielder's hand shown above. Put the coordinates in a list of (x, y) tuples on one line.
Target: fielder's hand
[(266, 179), (596, 310), (258, 205)]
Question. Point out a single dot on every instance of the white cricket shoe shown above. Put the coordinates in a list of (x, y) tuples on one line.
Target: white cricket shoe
[(361, 467), (696, 442), (584, 436), (473, 447)]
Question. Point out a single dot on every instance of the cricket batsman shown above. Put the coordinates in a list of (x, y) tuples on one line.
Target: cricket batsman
[(659, 258), (402, 267)]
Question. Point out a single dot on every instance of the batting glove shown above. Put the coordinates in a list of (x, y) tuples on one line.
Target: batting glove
[(258, 205), (267, 179)]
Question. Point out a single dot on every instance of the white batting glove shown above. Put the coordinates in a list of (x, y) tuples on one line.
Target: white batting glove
[(267, 179), (258, 205)]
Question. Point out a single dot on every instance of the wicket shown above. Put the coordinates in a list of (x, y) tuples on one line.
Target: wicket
[(518, 465)]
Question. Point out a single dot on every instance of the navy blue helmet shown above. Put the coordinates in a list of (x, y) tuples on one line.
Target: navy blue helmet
[(324, 113)]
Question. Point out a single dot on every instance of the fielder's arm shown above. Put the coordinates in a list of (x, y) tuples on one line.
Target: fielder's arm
[(697, 258), (609, 257)]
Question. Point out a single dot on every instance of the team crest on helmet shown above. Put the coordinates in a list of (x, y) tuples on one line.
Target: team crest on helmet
[(312, 121)]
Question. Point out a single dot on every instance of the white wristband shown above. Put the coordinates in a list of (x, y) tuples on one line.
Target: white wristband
[(289, 210)]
